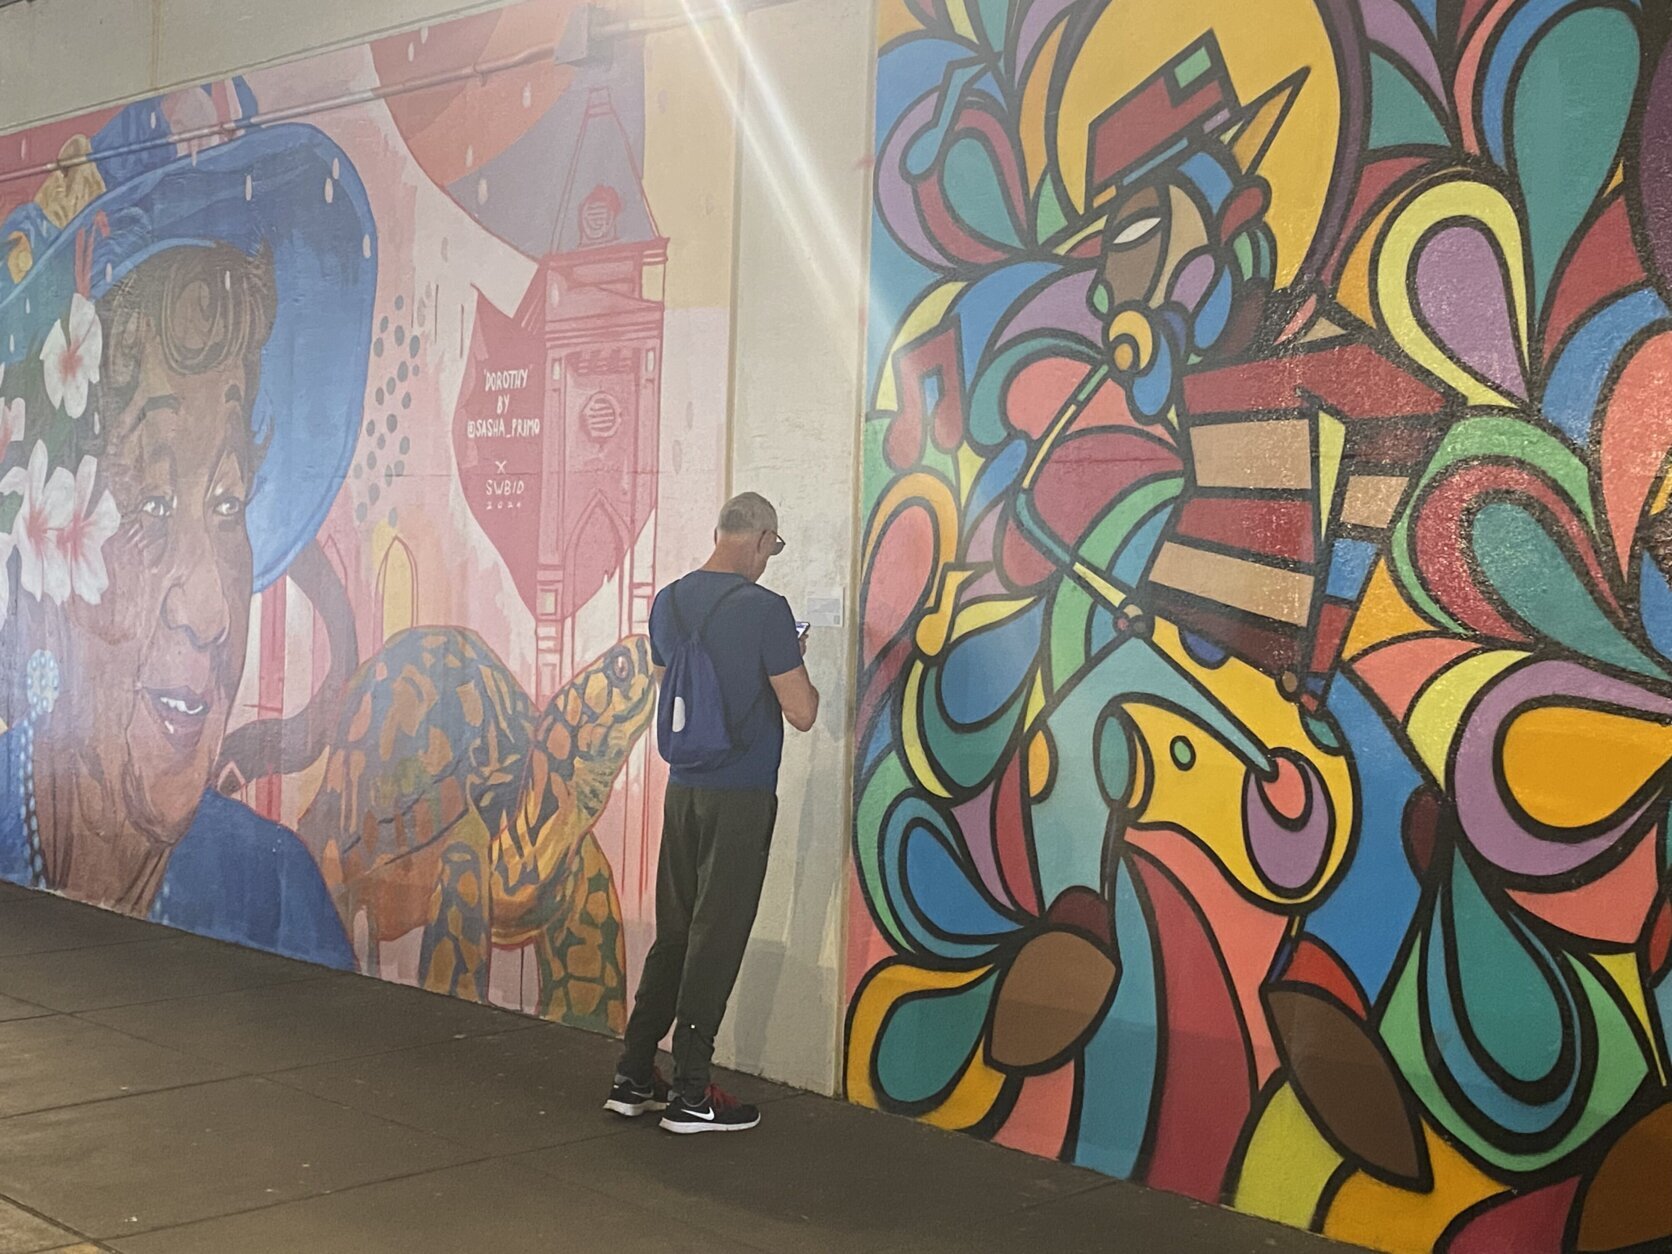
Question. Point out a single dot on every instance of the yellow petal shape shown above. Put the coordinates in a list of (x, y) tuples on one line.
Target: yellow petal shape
[(1571, 767)]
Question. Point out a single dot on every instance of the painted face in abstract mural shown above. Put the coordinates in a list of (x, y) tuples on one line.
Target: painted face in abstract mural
[(151, 670), (1185, 259)]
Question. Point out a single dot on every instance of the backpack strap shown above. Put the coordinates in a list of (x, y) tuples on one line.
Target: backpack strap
[(702, 626)]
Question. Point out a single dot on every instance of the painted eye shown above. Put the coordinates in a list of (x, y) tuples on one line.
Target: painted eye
[(228, 507), (620, 667), (157, 506), (1136, 229)]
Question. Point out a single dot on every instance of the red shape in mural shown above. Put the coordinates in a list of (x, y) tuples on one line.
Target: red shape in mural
[(497, 438), (556, 433)]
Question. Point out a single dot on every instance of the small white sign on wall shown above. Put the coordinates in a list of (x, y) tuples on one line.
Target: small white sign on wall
[(824, 610)]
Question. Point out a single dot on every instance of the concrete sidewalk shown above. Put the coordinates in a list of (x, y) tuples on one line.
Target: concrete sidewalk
[(159, 1092)]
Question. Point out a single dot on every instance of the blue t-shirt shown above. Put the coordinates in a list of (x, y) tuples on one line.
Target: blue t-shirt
[(751, 638), (234, 876)]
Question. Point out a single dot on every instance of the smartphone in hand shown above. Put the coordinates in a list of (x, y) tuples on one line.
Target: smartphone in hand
[(801, 630)]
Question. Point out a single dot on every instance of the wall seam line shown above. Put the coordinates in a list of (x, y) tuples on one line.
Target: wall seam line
[(856, 633), (740, 154)]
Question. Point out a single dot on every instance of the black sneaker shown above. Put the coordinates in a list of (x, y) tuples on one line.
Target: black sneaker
[(717, 1111), (632, 1099)]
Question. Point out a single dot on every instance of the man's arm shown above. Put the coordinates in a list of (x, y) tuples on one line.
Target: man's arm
[(783, 652), (798, 697)]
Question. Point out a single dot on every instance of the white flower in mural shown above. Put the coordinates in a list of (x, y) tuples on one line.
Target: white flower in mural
[(46, 509), (82, 540), (11, 424), (72, 360)]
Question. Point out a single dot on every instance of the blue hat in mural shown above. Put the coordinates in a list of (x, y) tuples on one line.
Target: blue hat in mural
[(126, 195)]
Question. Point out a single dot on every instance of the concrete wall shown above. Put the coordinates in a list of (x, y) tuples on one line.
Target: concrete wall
[(758, 187), (796, 370), (60, 57)]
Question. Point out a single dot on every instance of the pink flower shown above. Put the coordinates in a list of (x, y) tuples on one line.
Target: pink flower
[(81, 541), (72, 360), (46, 509)]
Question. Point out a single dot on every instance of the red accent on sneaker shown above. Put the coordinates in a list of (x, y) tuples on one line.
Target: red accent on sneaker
[(721, 1099)]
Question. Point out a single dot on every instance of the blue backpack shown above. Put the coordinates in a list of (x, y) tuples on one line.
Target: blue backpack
[(692, 731)]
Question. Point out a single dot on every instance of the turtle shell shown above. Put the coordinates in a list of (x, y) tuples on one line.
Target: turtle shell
[(433, 737)]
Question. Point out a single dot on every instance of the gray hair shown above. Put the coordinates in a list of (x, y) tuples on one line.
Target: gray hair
[(748, 514)]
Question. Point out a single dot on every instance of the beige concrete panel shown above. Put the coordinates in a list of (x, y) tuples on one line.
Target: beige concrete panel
[(198, 39), (691, 89), (63, 56), (802, 214)]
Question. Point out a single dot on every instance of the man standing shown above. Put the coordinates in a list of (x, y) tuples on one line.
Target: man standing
[(736, 676)]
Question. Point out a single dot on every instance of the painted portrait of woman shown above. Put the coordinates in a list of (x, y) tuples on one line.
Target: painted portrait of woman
[(183, 341)]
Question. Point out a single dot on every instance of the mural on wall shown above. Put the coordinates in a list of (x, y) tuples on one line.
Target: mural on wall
[(329, 467), (1266, 706)]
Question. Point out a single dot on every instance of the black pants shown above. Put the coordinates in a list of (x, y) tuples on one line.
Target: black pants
[(708, 888)]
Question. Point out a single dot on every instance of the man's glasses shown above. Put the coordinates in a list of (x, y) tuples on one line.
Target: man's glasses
[(777, 542)]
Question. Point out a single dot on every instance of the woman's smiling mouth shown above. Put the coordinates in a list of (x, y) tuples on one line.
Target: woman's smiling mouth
[(181, 713)]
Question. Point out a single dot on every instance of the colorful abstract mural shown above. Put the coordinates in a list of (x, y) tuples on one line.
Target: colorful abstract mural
[(1266, 702), (332, 501)]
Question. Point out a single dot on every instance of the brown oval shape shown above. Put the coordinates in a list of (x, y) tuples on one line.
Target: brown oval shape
[(1348, 1085), (1627, 1204), (1048, 1000)]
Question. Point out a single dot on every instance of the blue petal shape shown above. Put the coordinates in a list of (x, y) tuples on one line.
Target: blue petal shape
[(1135, 555), (1654, 606), (987, 301), (984, 670), (1508, 48), (940, 907), (1152, 389), (1214, 313), (1350, 563), (1119, 1065), (1572, 397), (1210, 177), (1364, 920), (996, 477), (882, 736), (902, 72), (1498, 963)]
